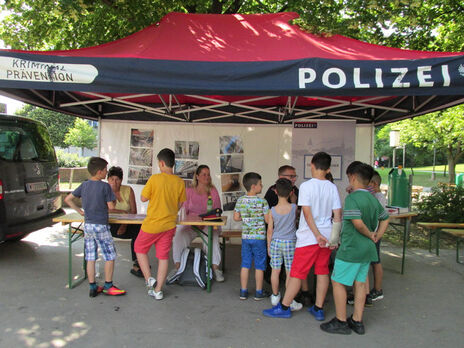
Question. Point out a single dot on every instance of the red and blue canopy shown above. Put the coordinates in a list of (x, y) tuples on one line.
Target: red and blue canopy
[(235, 68)]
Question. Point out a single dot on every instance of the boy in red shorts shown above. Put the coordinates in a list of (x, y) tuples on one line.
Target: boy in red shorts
[(320, 201), (165, 193)]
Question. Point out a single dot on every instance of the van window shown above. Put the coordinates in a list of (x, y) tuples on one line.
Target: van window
[(28, 142)]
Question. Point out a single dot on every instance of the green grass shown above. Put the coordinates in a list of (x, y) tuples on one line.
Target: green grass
[(441, 168), (419, 178)]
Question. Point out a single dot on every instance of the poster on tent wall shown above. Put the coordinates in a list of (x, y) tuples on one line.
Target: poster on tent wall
[(187, 153), (337, 138), (231, 163), (140, 156)]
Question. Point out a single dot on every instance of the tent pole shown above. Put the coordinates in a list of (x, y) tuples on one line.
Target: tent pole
[(99, 137)]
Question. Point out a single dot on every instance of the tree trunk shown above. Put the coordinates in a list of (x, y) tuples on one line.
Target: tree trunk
[(451, 164)]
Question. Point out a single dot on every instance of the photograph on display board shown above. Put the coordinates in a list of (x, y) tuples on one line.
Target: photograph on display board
[(230, 144), (230, 182), (138, 175), (187, 149), (141, 157), (141, 138), (185, 169), (229, 200), (231, 163)]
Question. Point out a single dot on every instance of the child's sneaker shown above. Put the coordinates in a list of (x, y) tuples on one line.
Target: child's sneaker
[(158, 295), (376, 294), (356, 326), (150, 284), (243, 294), (95, 292), (336, 326), (261, 295), (114, 291), (218, 276), (277, 312), (295, 306), (318, 314), (275, 299), (368, 302)]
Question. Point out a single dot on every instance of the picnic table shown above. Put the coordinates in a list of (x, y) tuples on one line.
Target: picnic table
[(435, 228), (76, 233)]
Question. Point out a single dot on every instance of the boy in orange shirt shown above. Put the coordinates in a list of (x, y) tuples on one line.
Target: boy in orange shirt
[(165, 193)]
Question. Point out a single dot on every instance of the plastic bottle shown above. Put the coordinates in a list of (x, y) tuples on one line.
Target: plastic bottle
[(209, 206)]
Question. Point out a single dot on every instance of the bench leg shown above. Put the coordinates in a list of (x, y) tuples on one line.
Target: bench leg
[(438, 242), (430, 241)]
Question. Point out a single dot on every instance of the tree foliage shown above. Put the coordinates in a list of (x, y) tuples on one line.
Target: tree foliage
[(57, 123), (65, 24), (443, 130), (81, 135)]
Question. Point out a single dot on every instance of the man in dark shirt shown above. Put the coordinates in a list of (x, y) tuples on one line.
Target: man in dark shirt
[(287, 172)]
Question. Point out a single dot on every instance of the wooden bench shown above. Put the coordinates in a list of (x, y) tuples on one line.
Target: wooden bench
[(435, 228), (459, 235), (225, 236)]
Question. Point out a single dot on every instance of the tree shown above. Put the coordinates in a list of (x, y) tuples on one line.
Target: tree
[(81, 135), (443, 130), (64, 24), (57, 123)]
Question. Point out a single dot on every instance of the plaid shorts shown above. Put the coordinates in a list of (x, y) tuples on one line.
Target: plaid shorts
[(282, 251), (95, 235)]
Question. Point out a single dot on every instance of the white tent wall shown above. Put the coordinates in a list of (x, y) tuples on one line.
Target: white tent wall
[(266, 147)]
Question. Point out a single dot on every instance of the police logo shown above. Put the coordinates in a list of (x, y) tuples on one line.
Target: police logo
[(36, 169), (461, 70)]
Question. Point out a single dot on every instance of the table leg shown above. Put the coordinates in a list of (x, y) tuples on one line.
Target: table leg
[(407, 225), (210, 256), (438, 241), (74, 237)]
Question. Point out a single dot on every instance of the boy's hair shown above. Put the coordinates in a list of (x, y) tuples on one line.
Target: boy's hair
[(284, 187), (283, 169), (95, 164), (322, 160), (363, 173), (249, 179), (376, 178), (351, 166), (167, 156), (329, 177), (115, 171)]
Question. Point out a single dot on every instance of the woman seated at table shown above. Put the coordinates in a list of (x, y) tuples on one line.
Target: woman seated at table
[(196, 204), (125, 203)]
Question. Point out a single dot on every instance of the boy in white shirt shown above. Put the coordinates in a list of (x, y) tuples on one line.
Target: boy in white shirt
[(320, 201)]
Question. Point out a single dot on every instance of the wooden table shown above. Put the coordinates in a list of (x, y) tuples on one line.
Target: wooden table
[(76, 233), (435, 228), (196, 222), (405, 219)]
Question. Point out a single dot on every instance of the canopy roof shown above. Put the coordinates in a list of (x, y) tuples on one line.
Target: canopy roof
[(255, 68)]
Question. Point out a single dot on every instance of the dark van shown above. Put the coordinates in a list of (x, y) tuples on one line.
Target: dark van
[(29, 192)]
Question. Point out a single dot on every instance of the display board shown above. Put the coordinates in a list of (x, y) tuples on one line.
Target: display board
[(262, 149)]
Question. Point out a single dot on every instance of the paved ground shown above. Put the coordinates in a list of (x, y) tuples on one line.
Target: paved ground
[(424, 307)]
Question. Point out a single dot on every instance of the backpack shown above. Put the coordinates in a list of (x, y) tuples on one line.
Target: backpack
[(192, 270)]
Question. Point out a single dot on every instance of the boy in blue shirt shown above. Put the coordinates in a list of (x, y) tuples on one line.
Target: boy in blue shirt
[(97, 198), (361, 215), (254, 213)]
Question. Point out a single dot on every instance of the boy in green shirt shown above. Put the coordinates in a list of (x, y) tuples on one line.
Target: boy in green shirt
[(361, 215)]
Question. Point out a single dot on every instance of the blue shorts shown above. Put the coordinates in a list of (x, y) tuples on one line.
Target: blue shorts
[(95, 235), (254, 250), (347, 273)]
